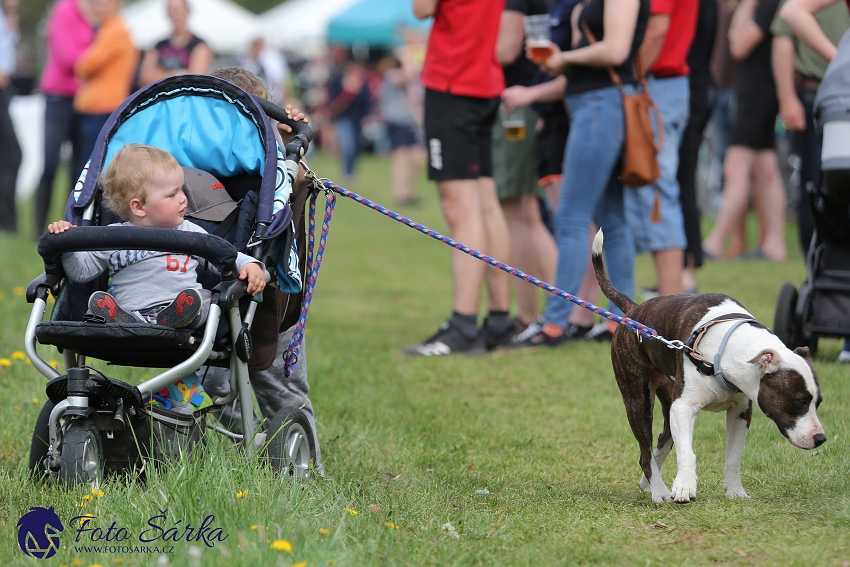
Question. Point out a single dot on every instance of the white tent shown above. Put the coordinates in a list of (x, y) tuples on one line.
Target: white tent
[(301, 25), (224, 25)]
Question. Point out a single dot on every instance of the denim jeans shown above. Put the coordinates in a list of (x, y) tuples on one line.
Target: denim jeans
[(591, 191), (90, 127), (10, 163), (667, 231), (348, 137)]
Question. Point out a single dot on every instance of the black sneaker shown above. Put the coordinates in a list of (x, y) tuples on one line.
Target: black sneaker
[(448, 340), (599, 333), (103, 307), (536, 335), (494, 339)]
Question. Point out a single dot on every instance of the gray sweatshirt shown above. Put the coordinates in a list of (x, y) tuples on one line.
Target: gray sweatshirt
[(142, 278)]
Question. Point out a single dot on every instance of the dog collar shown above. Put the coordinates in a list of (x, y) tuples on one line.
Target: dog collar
[(703, 365)]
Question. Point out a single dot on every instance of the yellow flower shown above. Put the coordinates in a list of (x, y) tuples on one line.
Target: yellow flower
[(87, 496), (19, 291), (281, 545), (35, 401), (118, 561), (97, 492), (242, 493), (5, 362), (77, 562), (16, 408), (323, 531), (85, 519), (331, 561), (95, 565), (300, 564), (254, 527), (352, 511), (391, 525), (19, 355), (53, 363)]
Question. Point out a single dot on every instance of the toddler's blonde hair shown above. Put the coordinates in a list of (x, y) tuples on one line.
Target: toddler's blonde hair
[(129, 175)]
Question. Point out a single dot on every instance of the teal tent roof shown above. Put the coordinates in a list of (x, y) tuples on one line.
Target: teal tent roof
[(373, 22)]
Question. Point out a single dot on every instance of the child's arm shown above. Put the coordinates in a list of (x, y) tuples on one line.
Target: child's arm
[(59, 226), (79, 266)]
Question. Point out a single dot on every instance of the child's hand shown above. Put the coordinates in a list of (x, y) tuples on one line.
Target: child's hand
[(285, 130), (59, 226), (255, 275)]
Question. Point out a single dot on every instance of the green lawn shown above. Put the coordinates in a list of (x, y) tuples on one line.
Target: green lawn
[(519, 458)]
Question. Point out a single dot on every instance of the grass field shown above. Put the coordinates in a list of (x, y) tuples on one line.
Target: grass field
[(518, 458)]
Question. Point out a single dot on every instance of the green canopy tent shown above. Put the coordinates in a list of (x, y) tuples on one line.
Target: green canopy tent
[(375, 23)]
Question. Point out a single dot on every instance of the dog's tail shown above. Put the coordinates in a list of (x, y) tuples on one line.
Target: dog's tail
[(619, 298)]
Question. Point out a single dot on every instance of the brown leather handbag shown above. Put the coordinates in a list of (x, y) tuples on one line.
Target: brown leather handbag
[(640, 151)]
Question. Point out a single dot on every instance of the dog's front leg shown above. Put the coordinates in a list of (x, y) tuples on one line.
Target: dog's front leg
[(737, 425), (683, 415)]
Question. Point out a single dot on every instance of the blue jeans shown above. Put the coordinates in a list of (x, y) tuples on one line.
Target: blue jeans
[(348, 135), (672, 97), (591, 191), (90, 127)]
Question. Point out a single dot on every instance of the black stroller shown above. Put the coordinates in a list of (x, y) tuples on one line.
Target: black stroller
[(822, 306), (94, 424)]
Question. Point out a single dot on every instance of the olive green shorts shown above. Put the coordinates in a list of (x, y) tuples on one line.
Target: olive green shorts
[(515, 161)]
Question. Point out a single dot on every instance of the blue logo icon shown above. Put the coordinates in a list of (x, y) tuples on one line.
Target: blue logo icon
[(38, 532)]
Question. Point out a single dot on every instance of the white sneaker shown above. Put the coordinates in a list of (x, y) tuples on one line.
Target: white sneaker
[(844, 356)]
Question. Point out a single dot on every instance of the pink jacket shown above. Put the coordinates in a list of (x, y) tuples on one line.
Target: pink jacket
[(68, 36)]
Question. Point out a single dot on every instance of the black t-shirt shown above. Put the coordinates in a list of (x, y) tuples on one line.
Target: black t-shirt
[(582, 78), (699, 56), (172, 57), (521, 71), (755, 74)]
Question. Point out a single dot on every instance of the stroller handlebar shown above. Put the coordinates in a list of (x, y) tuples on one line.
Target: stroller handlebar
[(303, 132), (214, 249)]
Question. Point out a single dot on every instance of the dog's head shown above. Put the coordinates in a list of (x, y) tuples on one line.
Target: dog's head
[(789, 394)]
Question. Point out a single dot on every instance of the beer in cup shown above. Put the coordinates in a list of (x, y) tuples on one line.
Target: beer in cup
[(538, 37)]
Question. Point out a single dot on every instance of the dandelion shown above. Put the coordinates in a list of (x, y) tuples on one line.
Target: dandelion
[(242, 493), (76, 562), (83, 520), (331, 561), (19, 291), (118, 560), (5, 362), (391, 525), (18, 355), (95, 565), (35, 401), (16, 408), (300, 564), (53, 363), (281, 545), (97, 492), (352, 511), (324, 531), (254, 527), (87, 496)]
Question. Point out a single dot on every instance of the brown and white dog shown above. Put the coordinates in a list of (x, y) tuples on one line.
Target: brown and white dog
[(781, 382)]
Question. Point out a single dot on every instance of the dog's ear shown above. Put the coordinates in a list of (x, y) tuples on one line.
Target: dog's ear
[(802, 351), (767, 360)]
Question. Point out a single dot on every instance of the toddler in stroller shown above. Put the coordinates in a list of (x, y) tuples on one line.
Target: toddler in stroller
[(94, 423)]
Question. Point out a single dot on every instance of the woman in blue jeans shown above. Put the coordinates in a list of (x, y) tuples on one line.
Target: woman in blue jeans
[(591, 189)]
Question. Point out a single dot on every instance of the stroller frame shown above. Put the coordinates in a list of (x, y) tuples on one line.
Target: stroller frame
[(86, 405)]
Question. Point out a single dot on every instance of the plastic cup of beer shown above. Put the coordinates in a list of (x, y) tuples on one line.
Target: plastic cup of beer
[(538, 37), (513, 122)]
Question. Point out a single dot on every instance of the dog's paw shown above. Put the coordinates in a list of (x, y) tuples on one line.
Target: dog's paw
[(644, 484), (735, 492), (662, 496), (684, 489)]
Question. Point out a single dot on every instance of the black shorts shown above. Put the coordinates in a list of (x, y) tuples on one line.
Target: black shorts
[(551, 142), (755, 124), (458, 132)]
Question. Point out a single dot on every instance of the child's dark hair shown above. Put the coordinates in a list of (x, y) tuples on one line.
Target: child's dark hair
[(244, 79)]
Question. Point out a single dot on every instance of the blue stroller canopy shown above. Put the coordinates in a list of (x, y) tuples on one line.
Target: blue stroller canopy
[(206, 123)]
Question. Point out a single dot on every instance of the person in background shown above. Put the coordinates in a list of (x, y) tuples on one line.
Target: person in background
[(181, 53), (591, 190), (463, 82), (349, 104), (515, 168), (797, 72), (752, 149), (401, 110), (269, 65), (10, 150), (105, 70), (69, 33), (703, 94)]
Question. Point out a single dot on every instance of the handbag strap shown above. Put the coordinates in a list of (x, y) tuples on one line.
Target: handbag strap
[(615, 77)]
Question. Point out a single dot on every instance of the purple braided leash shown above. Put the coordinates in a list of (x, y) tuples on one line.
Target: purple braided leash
[(313, 271)]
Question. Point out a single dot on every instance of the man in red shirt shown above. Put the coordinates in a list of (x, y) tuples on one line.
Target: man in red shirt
[(463, 82), (654, 211)]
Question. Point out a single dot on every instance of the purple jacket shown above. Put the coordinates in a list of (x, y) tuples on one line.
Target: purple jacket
[(68, 36)]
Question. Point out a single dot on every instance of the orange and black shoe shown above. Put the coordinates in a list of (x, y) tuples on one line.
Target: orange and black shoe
[(182, 311), (103, 308), (539, 334)]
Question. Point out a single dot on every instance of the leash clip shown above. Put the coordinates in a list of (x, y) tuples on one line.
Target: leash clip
[(675, 344)]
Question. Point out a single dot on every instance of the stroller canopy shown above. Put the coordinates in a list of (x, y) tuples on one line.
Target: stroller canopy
[(206, 123)]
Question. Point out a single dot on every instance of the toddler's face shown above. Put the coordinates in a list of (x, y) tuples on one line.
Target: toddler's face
[(165, 204)]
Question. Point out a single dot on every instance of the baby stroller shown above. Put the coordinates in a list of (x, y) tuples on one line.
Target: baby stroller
[(94, 424), (822, 306)]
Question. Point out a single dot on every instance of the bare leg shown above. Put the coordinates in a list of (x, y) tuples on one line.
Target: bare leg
[(588, 290), (498, 244), (668, 265), (737, 168), (773, 200), (534, 251), (406, 164)]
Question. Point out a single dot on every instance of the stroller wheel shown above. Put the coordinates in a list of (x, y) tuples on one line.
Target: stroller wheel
[(784, 324), (40, 440), (290, 443), (81, 460)]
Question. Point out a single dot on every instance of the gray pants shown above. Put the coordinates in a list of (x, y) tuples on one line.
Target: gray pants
[(272, 388)]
